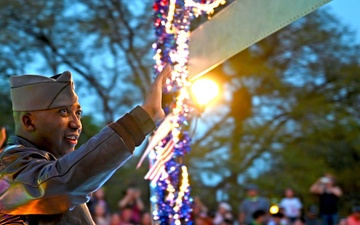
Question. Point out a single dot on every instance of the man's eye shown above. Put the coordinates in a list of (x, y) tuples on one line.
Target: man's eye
[(79, 113), (64, 111)]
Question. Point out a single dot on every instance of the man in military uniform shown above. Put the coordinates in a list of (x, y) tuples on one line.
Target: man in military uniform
[(42, 179)]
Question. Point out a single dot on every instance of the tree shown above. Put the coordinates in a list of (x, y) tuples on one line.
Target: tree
[(105, 43)]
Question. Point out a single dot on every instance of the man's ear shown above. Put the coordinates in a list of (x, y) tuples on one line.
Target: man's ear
[(27, 122)]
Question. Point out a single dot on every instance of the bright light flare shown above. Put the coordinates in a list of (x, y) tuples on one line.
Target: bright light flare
[(274, 209), (204, 90)]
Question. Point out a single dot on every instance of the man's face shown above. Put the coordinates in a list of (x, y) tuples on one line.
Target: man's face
[(57, 130)]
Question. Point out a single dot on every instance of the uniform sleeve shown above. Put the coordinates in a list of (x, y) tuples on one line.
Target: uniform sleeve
[(34, 184), (134, 127)]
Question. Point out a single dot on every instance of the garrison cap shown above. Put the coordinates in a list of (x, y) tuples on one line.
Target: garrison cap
[(36, 92)]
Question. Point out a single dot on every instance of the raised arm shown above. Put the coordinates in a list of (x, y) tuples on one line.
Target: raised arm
[(317, 187), (152, 101)]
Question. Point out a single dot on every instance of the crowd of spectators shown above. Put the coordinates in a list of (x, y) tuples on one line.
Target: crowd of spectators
[(253, 210), (256, 209), (131, 209)]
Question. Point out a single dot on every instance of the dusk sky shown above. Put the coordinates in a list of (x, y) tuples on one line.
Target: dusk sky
[(348, 12)]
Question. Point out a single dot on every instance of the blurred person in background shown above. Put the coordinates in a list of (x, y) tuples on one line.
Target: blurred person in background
[(198, 209), (354, 217), (329, 195), (97, 198), (126, 215), (146, 218), (101, 217), (259, 217), (251, 204), (115, 219), (223, 215), (311, 216), (278, 219), (132, 199), (291, 206)]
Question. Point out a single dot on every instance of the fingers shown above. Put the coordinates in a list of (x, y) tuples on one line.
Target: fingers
[(152, 102), (164, 74)]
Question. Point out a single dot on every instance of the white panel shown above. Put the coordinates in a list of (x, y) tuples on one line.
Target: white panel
[(240, 25)]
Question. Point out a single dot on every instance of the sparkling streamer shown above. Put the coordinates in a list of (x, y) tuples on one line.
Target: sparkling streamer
[(171, 200)]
